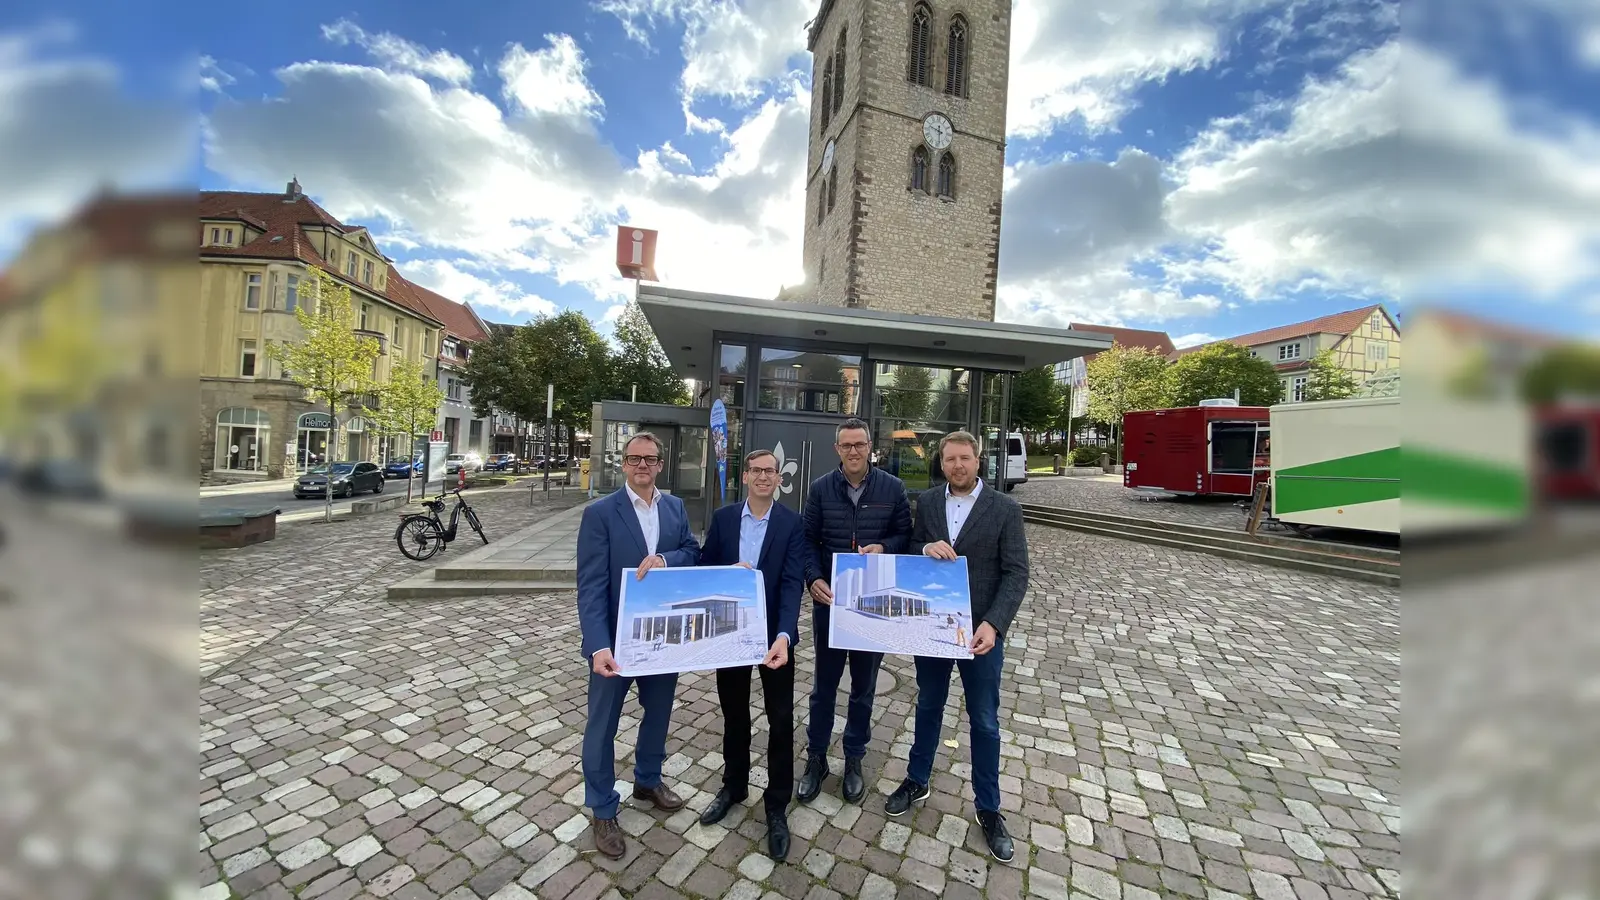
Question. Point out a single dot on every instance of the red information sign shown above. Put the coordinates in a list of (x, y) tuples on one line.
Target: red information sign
[(636, 253)]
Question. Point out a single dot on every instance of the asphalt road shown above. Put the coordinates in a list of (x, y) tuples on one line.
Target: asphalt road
[(282, 493)]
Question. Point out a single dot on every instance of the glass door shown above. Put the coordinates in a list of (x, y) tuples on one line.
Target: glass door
[(804, 450)]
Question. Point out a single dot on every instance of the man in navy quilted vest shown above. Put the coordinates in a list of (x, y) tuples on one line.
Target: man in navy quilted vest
[(856, 508)]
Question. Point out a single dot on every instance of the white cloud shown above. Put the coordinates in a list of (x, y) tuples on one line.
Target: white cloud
[(400, 55), (212, 77), (1194, 340), (731, 48), (551, 80), (443, 277)]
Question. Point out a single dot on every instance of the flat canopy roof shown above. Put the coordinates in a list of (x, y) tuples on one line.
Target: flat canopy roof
[(684, 322)]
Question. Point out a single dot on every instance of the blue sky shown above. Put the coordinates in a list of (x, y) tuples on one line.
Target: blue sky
[(942, 581), (1205, 167), (658, 590)]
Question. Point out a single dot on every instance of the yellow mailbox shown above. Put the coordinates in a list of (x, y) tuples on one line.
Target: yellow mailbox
[(583, 474)]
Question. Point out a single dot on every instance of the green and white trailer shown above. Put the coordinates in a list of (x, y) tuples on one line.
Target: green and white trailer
[(1337, 463)]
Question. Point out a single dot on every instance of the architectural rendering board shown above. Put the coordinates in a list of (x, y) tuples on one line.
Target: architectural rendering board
[(908, 605), (691, 619)]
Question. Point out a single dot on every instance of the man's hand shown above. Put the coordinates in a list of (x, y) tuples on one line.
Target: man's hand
[(651, 562), (747, 566), (605, 664), (983, 638), (778, 656), (872, 548), (939, 550), (821, 593)]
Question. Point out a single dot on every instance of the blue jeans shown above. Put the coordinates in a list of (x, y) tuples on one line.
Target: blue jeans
[(606, 696), (830, 668), (980, 678)]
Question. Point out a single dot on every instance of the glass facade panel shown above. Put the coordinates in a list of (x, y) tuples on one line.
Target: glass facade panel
[(810, 381), (732, 369), (913, 407)]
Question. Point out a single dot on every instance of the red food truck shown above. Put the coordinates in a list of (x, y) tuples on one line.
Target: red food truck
[(1569, 451), (1217, 448)]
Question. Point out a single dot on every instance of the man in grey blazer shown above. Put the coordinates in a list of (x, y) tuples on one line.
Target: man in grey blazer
[(985, 526)]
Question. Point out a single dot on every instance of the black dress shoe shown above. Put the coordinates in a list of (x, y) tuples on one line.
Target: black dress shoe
[(855, 785), (777, 836), (995, 835), (720, 805), (907, 793), (811, 781)]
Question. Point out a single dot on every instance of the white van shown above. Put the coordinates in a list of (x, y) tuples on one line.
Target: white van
[(1016, 460)]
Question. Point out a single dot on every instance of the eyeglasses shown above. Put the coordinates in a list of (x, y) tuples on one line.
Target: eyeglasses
[(857, 447), (762, 472), (641, 460)]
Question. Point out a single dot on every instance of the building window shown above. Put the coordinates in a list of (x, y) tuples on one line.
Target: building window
[(242, 435), (453, 389), (919, 170), (833, 183), (947, 175), (1377, 351), (1298, 391), (913, 406), (838, 72), (827, 93), (809, 381), (955, 63), (247, 359), (1289, 351), (822, 201), (366, 272), (366, 311), (350, 264), (216, 235), (291, 293), (921, 25), (395, 342), (252, 290)]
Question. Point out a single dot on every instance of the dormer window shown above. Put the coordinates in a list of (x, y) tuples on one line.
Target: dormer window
[(367, 272)]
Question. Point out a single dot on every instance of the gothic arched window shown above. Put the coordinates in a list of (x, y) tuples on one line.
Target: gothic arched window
[(947, 175), (921, 42), (919, 170), (827, 92), (838, 73), (833, 184), (955, 63)]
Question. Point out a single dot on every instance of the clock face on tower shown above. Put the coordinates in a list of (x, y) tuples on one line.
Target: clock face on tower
[(827, 158), (937, 131)]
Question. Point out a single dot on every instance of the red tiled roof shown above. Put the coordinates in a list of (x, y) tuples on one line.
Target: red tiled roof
[(1465, 325), (1337, 323), (1129, 337), (459, 320)]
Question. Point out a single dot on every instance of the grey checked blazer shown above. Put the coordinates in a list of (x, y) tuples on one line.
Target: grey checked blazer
[(995, 547)]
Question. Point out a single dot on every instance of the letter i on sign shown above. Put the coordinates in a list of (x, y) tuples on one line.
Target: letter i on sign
[(638, 248)]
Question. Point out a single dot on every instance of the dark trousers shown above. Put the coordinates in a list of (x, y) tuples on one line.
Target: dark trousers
[(606, 696), (980, 677), (777, 694), (830, 668)]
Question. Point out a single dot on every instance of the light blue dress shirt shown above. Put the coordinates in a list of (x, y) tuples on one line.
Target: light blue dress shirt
[(752, 533)]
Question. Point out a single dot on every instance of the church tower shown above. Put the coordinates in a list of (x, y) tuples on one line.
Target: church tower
[(906, 157)]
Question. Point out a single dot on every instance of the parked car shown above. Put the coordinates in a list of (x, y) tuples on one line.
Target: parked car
[(348, 479), (499, 462), (458, 461), (403, 467)]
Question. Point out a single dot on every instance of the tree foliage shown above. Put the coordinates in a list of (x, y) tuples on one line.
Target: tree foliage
[(1216, 370), (1327, 380), (1123, 379), (1036, 399), (509, 371), (409, 403), (905, 397), (639, 362), (1563, 372)]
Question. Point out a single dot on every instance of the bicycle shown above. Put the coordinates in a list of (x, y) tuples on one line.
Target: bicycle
[(421, 536)]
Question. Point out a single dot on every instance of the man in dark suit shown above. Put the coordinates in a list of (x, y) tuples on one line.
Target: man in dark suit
[(769, 537), (856, 508), (985, 526), (637, 528)]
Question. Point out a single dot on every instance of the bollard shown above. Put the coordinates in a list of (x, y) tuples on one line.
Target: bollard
[(1055, 465)]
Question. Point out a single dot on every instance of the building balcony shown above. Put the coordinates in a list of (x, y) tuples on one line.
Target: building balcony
[(380, 337)]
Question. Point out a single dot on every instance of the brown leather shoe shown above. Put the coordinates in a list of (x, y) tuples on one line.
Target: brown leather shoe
[(608, 838), (660, 796)]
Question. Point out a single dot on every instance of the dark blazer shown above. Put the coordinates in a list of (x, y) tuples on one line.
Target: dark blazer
[(609, 541), (835, 525), (781, 562), (993, 542)]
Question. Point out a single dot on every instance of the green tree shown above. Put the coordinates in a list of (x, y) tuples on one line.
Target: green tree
[(1327, 380), (510, 371), (1566, 371), (639, 362), (1123, 379), (905, 395), (1216, 370), (408, 405), (1035, 399), (333, 363)]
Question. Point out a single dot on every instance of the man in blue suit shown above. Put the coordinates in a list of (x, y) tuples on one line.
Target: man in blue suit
[(637, 528), (770, 538)]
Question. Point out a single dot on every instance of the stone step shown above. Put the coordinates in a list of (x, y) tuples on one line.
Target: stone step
[(501, 571), (426, 587)]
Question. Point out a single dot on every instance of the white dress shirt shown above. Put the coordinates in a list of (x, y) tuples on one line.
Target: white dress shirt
[(649, 518), (957, 508)]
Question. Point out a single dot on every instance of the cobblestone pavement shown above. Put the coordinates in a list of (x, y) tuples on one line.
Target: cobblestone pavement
[(1174, 724), (1107, 495)]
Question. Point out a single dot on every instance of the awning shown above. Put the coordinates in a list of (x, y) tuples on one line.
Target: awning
[(684, 322)]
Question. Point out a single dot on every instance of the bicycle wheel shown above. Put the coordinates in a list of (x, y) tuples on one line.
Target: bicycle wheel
[(472, 519), (418, 537)]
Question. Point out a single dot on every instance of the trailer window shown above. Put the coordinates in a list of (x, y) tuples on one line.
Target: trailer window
[(1263, 448), (1564, 446), (1233, 448)]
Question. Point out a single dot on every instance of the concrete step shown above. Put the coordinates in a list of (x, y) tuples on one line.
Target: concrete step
[(1218, 542), (426, 587), (491, 571)]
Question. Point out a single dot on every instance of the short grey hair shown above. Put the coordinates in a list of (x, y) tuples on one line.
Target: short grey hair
[(661, 449), (851, 424), (958, 437)]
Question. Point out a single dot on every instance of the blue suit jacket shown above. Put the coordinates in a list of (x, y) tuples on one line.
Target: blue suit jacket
[(782, 561), (610, 540)]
